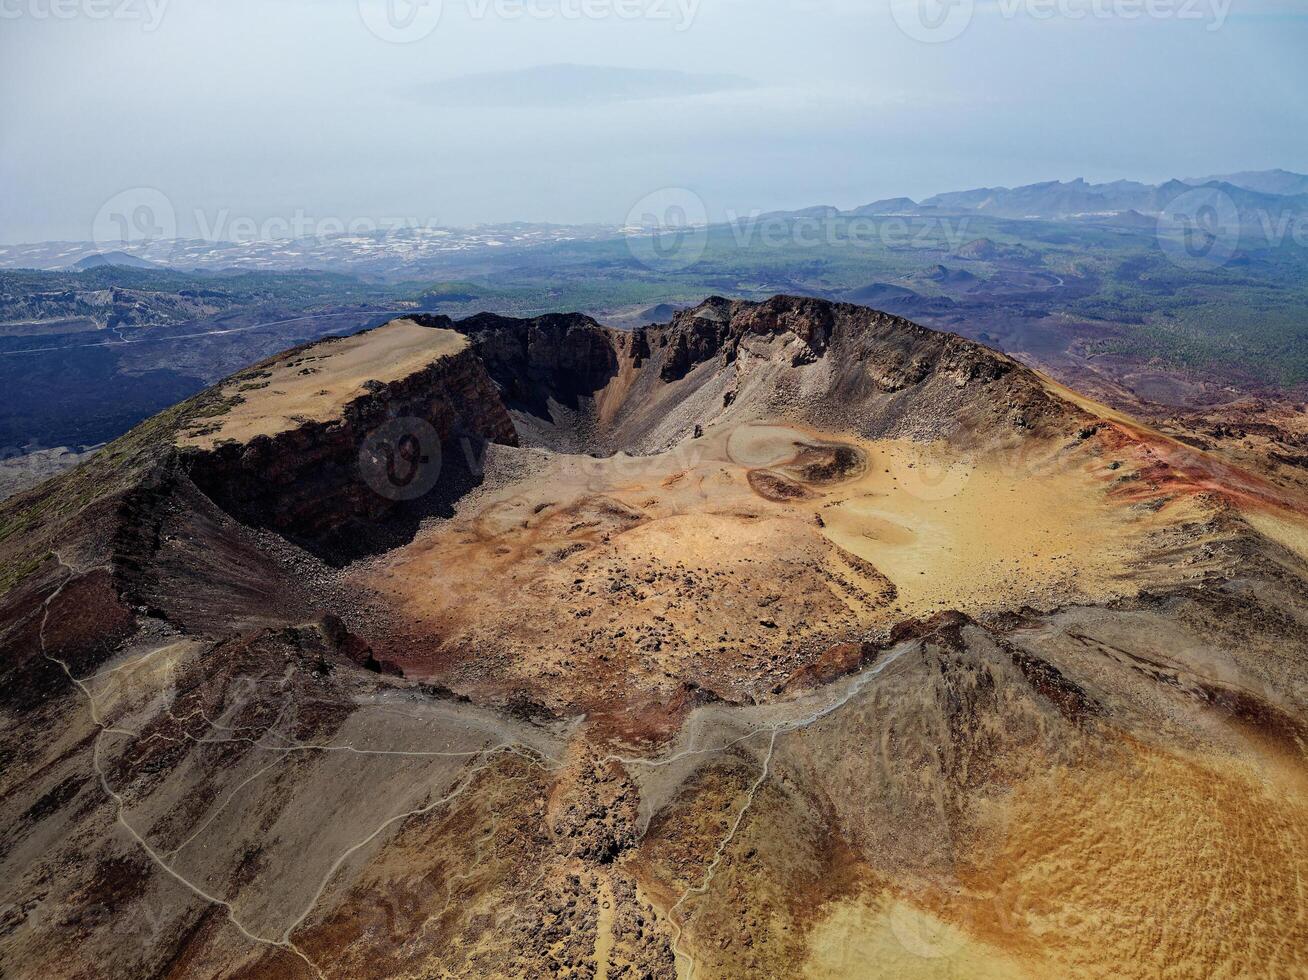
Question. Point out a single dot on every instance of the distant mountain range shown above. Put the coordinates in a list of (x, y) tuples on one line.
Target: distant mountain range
[(1262, 181), (374, 252), (1122, 202), (1077, 199), (1255, 195), (97, 259)]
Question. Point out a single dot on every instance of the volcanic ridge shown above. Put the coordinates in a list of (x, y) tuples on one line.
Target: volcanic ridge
[(783, 639)]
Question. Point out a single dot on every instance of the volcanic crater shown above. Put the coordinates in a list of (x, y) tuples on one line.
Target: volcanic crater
[(783, 639)]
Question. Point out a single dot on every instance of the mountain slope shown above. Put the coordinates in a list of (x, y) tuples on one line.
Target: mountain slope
[(1276, 181), (785, 639)]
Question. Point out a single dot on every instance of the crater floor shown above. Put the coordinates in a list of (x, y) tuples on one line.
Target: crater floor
[(737, 559)]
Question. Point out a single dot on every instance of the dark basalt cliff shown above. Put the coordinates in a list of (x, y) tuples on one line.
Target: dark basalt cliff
[(307, 481), (559, 356)]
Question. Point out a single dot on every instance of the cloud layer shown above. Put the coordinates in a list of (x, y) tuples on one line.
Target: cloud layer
[(573, 85)]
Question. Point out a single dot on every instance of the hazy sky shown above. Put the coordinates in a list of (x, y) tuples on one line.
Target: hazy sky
[(255, 109)]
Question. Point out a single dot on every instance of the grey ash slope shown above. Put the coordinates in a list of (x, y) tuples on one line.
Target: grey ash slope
[(646, 389)]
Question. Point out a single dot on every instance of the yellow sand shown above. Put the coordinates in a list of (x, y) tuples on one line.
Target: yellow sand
[(313, 385), (953, 533), (894, 940), (1282, 527), (1153, 864), (681, 549), (1143, 864)]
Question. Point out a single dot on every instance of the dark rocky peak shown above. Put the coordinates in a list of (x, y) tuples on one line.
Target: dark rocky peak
[(560, 356)]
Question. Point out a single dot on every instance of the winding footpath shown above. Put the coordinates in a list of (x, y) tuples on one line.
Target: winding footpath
[(480, 759), (774, 731), (165, 860)]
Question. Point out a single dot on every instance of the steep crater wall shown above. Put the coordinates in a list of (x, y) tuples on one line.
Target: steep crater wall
[(574, 385), (569, 384), (307, 483)]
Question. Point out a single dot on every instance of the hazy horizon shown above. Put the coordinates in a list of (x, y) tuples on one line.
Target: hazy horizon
[(783, 104)]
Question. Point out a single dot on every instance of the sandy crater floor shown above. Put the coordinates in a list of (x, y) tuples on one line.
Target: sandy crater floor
[(761, 544)]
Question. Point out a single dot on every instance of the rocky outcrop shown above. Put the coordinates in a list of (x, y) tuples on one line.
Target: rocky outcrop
[(562, 357), (695, 336), (307, 481), (578, 386), (873, 373)]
